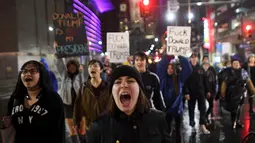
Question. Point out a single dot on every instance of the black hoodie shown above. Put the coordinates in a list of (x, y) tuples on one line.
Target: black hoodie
[(196, 84), (152, 90), (43, 122)]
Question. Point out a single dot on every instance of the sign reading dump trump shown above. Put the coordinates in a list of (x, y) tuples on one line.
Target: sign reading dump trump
[(118, 46), (178, 40)]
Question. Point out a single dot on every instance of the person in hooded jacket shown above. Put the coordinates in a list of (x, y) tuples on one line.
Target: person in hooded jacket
[(211, 86), (36, 111), (129, 118), (53, 79), (211, 68), (249, 66), (72, 81), (233, 89), (195, 89), (171, 87)]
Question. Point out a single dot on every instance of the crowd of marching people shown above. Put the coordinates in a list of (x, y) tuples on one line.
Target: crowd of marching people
[(124, 103)]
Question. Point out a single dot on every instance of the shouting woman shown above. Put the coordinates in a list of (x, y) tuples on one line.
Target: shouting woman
[(36, 111), (129, 118)]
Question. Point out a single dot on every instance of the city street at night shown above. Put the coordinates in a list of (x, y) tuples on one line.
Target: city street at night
[(127, 71)]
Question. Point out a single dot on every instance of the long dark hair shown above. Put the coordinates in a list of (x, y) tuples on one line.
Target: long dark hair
[(44, 80), (77, 66), (142, 105), (175, 76)]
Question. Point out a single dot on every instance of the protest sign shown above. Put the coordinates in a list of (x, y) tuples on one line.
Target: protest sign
[(178, 40), (118, 46), (70, 36)]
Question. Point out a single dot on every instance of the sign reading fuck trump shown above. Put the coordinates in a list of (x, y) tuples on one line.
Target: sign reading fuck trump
[(178, 40), (118, 46)]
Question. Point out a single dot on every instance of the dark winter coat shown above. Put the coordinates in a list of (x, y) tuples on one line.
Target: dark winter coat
[(233, 88), (210, 78), (152, 90), (138, 128), (196, 84)]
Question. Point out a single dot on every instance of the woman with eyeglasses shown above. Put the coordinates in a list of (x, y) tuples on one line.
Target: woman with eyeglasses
[(35, 110)]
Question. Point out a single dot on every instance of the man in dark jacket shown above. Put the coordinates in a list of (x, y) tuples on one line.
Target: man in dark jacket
[(211, 68), (195, 90), (249, 66), (151, 82), (211, 86)]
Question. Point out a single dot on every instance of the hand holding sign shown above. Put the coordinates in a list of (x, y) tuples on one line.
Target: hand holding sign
[(178, 40)]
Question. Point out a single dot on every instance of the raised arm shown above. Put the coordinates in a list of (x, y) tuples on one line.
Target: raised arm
[(162, 66), (61, 67)]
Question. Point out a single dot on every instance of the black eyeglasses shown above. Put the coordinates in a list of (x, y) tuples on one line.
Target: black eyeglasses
[(31, 71)]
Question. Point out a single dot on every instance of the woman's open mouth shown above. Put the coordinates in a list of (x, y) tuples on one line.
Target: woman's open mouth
[(28, 80), (125, 99)]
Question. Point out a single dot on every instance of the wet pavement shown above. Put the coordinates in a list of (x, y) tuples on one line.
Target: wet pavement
[(220, 127)]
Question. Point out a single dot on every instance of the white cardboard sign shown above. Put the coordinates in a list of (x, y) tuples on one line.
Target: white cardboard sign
[(178, 40), (118, 46)]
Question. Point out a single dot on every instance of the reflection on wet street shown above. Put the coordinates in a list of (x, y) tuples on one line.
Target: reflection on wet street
[(220, 127)]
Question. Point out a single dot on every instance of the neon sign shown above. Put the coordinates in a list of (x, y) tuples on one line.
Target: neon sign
[(206, 34)]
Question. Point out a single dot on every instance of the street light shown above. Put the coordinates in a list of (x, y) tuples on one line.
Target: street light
[(51, 28), (190, 15), (156, 39), (170, 16), (199, 3)]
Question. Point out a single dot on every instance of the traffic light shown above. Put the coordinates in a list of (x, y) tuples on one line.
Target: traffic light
[(248, 30), (145, 8), (146, 2)]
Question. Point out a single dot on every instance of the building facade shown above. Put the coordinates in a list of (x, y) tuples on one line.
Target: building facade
[(230, 23), (27, 32)]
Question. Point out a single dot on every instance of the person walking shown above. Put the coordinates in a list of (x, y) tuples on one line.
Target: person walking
[(92, 100), (171, 86), (72, 81), (195, 90)]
